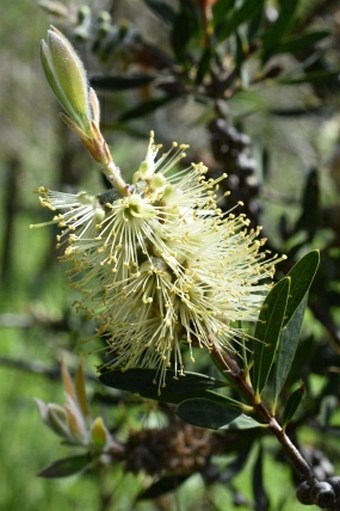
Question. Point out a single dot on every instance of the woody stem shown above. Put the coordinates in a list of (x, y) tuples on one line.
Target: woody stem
[(233, 371)]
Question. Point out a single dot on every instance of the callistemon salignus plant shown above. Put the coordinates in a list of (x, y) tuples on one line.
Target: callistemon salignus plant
[(158, 264)]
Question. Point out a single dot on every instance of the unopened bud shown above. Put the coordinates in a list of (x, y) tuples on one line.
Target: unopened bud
[(67, 77), (100, 436)]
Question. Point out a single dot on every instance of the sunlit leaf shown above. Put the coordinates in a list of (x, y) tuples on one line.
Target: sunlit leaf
[(208, 414), (268, 332)]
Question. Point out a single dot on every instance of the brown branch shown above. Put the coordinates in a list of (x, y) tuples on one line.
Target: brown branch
[(230, 367)]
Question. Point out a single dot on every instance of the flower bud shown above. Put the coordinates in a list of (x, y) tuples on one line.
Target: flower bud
[(56, 420), (67, 77), (54, 416), (100, 436)]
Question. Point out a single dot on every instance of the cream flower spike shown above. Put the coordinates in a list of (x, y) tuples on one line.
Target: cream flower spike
[(162, 268)]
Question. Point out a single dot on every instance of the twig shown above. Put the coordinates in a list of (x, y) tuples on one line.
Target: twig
[(234, 372), (36, 367)]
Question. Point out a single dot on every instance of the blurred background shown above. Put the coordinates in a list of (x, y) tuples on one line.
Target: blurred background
[(253, 87)]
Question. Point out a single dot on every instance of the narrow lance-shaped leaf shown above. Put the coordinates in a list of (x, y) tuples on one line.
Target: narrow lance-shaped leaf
[(162, 9), (259, 491), (162, 486), (141, 381), (203, 66), (186, 26), (323, 77), (292, 404), (287, 348), (116, 82), (238, 16), (145, 108), (66, 467), (301, 276), (273, 36), (300, 42), (221, 9), (247, 10), (208, 414), (267, 333)]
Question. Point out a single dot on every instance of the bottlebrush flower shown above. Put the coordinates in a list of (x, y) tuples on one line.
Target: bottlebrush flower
[(162, 267)]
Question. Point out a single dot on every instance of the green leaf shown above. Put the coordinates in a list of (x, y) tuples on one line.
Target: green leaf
[(112, 82), (208, 414), (301, 275), (221, 9), (301, 278), (288, 346), (141, 381), (162, 9), (309, 219), (292, 404), (260, 495), (164, 485), (313, 77), (254, 25), (247, 10), (186, 25), (300, 42), (237, 17), (273, 36), (66, 467), (268, 331), (295, 111), (145, 108), (242, 448), (203, 65), (329, 405)]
